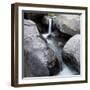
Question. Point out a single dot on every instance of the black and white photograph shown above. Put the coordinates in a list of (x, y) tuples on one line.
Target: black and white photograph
[(50, 44)]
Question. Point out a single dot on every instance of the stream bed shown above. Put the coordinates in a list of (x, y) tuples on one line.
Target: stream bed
[(56, 44)]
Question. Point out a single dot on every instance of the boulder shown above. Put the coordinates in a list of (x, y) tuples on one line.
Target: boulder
[(39, 59), (71, 53), (66, 23), (35, 64)]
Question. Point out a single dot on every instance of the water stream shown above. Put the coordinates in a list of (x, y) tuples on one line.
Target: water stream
[(50, 26), (56, 44), (49, 29)]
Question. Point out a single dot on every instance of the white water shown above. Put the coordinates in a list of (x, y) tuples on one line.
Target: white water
[(49, 29), (50, 25), (66, 70), (53, 45)]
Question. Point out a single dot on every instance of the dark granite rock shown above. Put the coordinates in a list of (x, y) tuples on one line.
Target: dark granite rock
[(69, 24), (39, 59), (71, 53)]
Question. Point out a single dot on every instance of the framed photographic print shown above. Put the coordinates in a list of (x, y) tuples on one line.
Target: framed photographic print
[(48, 44)]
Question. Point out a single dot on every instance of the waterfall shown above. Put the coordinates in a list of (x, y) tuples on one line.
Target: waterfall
[(50, 19), (50, 26)]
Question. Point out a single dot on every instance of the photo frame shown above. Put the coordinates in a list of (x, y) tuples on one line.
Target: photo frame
[(48, 44)]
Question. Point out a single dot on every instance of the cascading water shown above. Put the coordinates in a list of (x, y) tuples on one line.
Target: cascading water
[(50, 26), (53, 44), (50, 20)]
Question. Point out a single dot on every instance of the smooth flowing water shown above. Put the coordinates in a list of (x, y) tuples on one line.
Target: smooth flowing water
[(49, 29), (56, 44), (50, 26)]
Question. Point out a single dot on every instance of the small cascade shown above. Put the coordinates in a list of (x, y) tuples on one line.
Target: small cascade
[(55, 44), (50, 20), (50, 26), (49, 29)]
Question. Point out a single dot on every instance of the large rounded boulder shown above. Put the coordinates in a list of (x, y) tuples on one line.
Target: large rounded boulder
[(71, 53), (68, 24), (39, 59)]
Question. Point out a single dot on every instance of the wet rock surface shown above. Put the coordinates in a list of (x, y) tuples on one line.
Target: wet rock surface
[(39, 59), (69, 24), (71, 53)]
